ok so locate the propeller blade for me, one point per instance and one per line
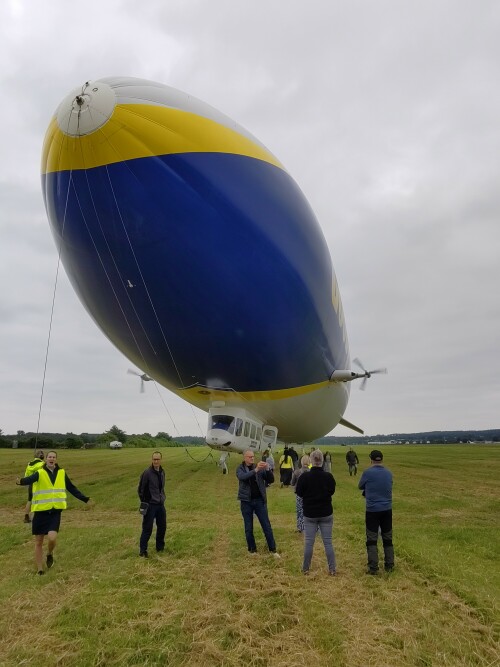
(132, 372)
(142, 386)
(367, 374)
(358, 363)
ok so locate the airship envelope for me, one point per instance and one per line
(196, 253)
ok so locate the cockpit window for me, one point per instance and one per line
(224, 422)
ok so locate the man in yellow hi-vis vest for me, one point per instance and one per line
(50, 485)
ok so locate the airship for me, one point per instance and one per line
(198, 256)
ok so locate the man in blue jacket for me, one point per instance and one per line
(376, 484)
(253, 500)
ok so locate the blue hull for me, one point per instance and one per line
(202, 268)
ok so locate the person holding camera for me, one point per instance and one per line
(253, 480)
(151, 492)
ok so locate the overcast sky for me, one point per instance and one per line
(387, 114)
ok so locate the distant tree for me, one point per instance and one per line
(161, 435)
(21, 433)
(117, 434)
(73, 442)
(141, 441)
(42, 442)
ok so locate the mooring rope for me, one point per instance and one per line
(209, 455)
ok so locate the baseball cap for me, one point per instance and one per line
(376, 455)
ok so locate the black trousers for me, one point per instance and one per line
(158, 513)
(375, 521)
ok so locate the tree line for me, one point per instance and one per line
(30, 440)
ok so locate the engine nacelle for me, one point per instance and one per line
(343, 376)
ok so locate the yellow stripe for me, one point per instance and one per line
(204, 396)
(142, 130)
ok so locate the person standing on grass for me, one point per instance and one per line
(316, 489)
(376, 484)
(305, 461)
(352, 462)
(50, 486)
(253, 499)
(286, 468)
(151, 491)
(32, 466)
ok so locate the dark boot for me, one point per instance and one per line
(388, 558)
(372, 552)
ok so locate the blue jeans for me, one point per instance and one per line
(258, 507)
(158, 513)
(325, 525)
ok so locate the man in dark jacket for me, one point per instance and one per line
(253, 500)
(151, 492)
(352, 462)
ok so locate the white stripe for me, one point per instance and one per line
(46, 501)
(40, 491)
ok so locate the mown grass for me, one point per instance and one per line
(206, 602)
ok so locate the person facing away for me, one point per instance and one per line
(316, 489)
(50, 486)
(32, 466)
(352, 462)
(270, 461)
(151, 490)
(305, 463)
(286, 468)
(376, 484)
(252, 495)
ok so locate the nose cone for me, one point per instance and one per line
(86, 109)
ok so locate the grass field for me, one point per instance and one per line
(206, 602)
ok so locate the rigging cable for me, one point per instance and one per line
(209, 455)
(146, 365)
(53, 301)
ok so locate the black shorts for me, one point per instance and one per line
(44, 522)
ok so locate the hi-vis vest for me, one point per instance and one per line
(48, 496)
(33, 466)
(286, 464)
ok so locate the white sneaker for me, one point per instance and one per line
(276, 554)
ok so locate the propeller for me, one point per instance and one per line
(144, 377)
(367, 374)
